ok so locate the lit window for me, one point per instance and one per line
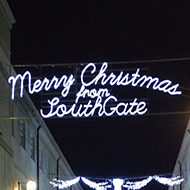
(22, 133)
(32, 147)
(31, 185)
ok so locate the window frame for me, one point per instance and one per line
(32, 147)
(22, 134)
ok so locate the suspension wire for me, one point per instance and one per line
(96, 116)
(119, 62)
(123, 177)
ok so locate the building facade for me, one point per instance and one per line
(182, 166)
(27, 148)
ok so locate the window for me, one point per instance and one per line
(41, 158)
(22, 133)
(48, 167)
(32, 147)
(54, 172)
(13, 130)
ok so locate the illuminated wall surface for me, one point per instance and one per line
(18, 138)
(182, 166)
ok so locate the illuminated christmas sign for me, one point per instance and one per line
(97, 98)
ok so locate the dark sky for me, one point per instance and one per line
(113, 31)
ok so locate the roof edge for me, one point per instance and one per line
(7, 12)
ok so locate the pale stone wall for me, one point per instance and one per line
(182, 166)
(4, 35)
(6, 21)
(5, 169)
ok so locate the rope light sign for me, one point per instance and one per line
(94, 90)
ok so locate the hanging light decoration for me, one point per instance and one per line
(137, 184)
(117, 183)
(94, 185)
(64, 184)
(169, 181)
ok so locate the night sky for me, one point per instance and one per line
(58, 32)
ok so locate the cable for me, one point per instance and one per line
(119, 62)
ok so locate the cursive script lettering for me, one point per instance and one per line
(39, 85)
(88, 109)
(135, 79)
(94, 101)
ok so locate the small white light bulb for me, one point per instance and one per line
(117, 183)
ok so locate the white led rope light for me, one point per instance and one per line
(100, 95)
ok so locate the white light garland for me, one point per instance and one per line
(169, 181)
(118, 183)
(138, 184)
(64, 184)
(94, 185)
